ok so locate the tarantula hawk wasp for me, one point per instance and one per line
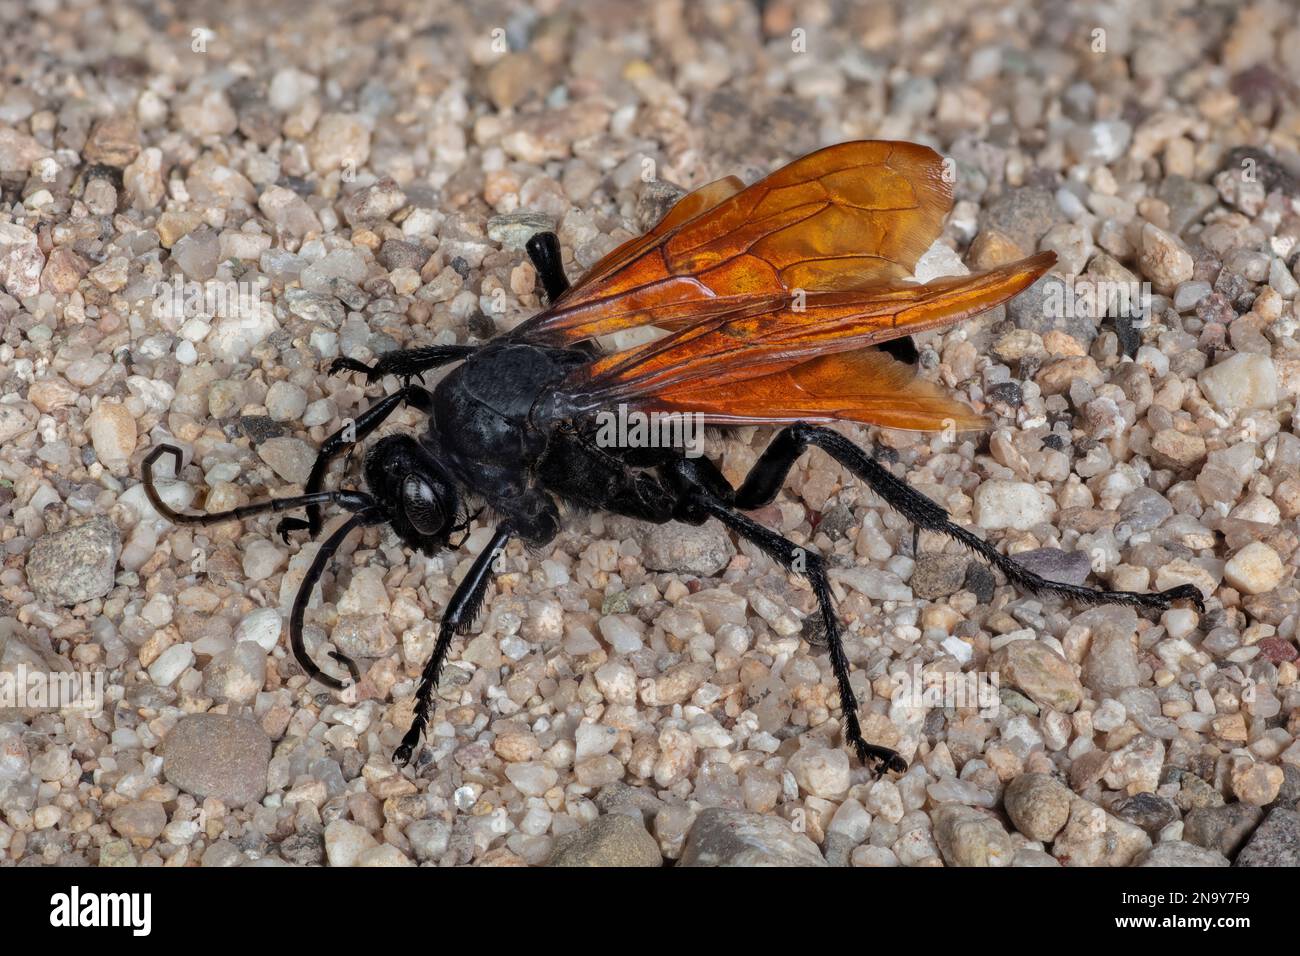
(781, 302)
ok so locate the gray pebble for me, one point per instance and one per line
(76, 564)
(1188, 201)
(1145, 509)
(1275, 843)
(722, 837)
(216, 755)
(1112, 661)
(315, 307)
(399, 254)
(686, 549)
(938, 575)
(614, 839)
(1188, 295)
(1150, 812)
(1046, 306)
(290, 458)
(259, 428)
(1023, 215)
(377, 201)
(1180, 853)
(1100, 143)
(1067, 567)
(1222, 828)
(197, 254)
(306, 848)
(980, 581)
(429, 838)
(345, 264)
(513, 230)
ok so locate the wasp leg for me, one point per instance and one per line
(368, 516)
(456, 619)
(544, 250)
(364, 510)
(344, 438)
(809, 564)
(354, 501)
(404, 363)
(768, 473)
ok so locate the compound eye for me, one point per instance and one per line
(421, 505)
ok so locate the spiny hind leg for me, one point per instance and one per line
(768, 474)
(701, 497)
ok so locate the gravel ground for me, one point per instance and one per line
(366, 180)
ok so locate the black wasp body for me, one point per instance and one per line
(494, 437)
(481, 438)
(505, 433)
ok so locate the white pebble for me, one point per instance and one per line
(594, 740)
(1254, 569)
(262, 559)
(1179, 622)
(261, 626)
(285, 401)
(821, 771)
(531, 778)
(1246, 380)
(112, 433)
(621, 633)
(1011, 504)
(1109, 716)
(171, 664)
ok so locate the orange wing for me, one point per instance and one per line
(843, 218)
(867, 386)
(689, 207)
(772, 358)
